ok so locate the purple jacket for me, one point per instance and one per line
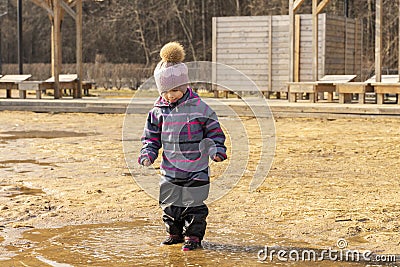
(188, 132)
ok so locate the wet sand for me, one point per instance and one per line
(330, 179)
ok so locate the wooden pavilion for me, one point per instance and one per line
(56, 10)
(317, 8)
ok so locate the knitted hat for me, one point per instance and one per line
(170, 71)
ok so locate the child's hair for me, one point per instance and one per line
(171, 72)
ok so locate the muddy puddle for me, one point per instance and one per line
(17, 190)
(6, 163)
(13, 135)
(137, 244)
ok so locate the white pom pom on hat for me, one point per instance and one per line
(170, 71)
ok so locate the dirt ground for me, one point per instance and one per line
(330, 179)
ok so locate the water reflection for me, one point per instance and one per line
(137, 244)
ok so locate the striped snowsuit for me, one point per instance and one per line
(189, 133)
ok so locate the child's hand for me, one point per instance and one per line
(146, 163)
(217, 158)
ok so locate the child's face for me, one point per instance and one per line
(172, 95)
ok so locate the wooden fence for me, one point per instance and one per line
(258, 46)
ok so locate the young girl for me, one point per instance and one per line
(189, 132)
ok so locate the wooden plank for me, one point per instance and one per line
(337, 78)
(15, 78)
(322, 45)
(297, 37)
(57, 47)
(242, 34)
(249, 30)
(246, 67)
(68, 9)
(214, 55)
(79, 47)
(258, 41)
(384, 79)
(378, 39)
(242, 61)
(63, 78)
(297, 4)
(354, 88)
(301, 87)
(240, 43)
(292, 38)
(278, 19)
(247, 19)
(270, 53)
(387, 88)
(240, 24)
(244, 56)
(237, 45)
(258, 61)
(322, 5)
(259, 50)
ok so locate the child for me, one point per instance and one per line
(188, 131)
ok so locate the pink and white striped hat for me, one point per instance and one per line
(170, 72)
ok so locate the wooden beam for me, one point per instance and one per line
(57, 47)
(378, 40)
(79, 65)
(270, 54)
(315, 39)
(68, 9)
(291, 40)
(214, 57)
(72, 3)
(297, 4)
(322, 5)
(398, 55)
(297, 31)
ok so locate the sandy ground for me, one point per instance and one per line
(330, 179)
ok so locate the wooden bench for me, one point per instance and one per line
(66, 81)
(30, 85)
(389, 84)
(326, 84)
(86, 86)
(346, 91)
(10, 82)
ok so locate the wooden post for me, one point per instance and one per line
(20, 38)
(269, 57)
(57, 47)
(356, 48)
(297, 37)
(315, 39)
(378, 40)
(52, 47)
(214, 57)
(346, 45)
(291, 40)
(398, 55)
(79, 67)
(315, 43)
